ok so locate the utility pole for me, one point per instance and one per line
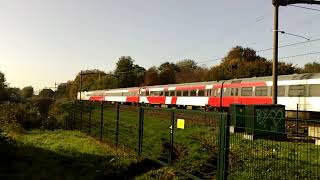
(276, 5)
(275, 55)
(80, 84)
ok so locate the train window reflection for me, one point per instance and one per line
(166, 93)
(185, 93)
(246, 91)
(201, 93)
(261, 91)
(296, 90)
(193, 93)
(314, 90)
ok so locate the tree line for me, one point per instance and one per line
(239, 62)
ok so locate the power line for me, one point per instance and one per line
(269, 49)
(289, 45)
(302, 7)
(298, 55)
(123, 70)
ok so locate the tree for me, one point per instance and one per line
(3, 90)
(27, 92)
(125, 72)
(168, 65)
(109, 82)
(139, 73)
(187, 64)
(287, 68)
(313, 67)
(189, 71)
(2, 80)
(43, 105)
(167, 73)
(216, 73)
(14, 95)
(151, 77)
(48, 93)
(244, 63)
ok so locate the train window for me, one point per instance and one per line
(261, 91)
(246, 91)
(126, 94)
(147, 93)
(216, 92)
(296, 91)
(281, 90)
(193, 93)
(208, 92)
(166, 93)
(226, 91)
(143, 93)
(161, 93)
(314, 90)
(172, 93)
(185, 93)
(234, 92)
(201, 93)
(179, 93)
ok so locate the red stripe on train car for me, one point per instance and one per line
(190, 87)
(214, 101)
(133, 99)
(156, 99)
(227, 101)
(96, 98)
(174, 100)
(255, 100)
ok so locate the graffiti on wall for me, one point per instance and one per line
(270, 118)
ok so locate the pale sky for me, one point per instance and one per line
(48, 41)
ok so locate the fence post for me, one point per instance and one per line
(101, 121)
(73, 116)
(90, 114)
(171, 138)
(81, 109)
(297, 122)
(223, 156)
(117, 125)
(141, 117)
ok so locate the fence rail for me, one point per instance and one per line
(205, 145)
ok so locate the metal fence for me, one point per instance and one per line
(287, 152)
(205, 145)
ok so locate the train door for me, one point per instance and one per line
(235, 91)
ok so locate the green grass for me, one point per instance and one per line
(196, 147)
(268, 159)
(61, 154)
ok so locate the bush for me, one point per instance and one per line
(8, 121)
(58, 113)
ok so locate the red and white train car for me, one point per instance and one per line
(297, 89)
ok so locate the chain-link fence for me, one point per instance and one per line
(208, 145)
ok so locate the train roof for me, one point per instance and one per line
(252, 79)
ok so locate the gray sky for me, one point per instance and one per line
(47, 41)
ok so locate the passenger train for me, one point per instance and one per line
(300, 91)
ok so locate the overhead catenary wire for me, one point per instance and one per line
(303, 7)
(261, 50)
(299, 55)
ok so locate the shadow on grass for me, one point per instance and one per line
(21, 161)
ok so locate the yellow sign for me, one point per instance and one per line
(180, 123)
